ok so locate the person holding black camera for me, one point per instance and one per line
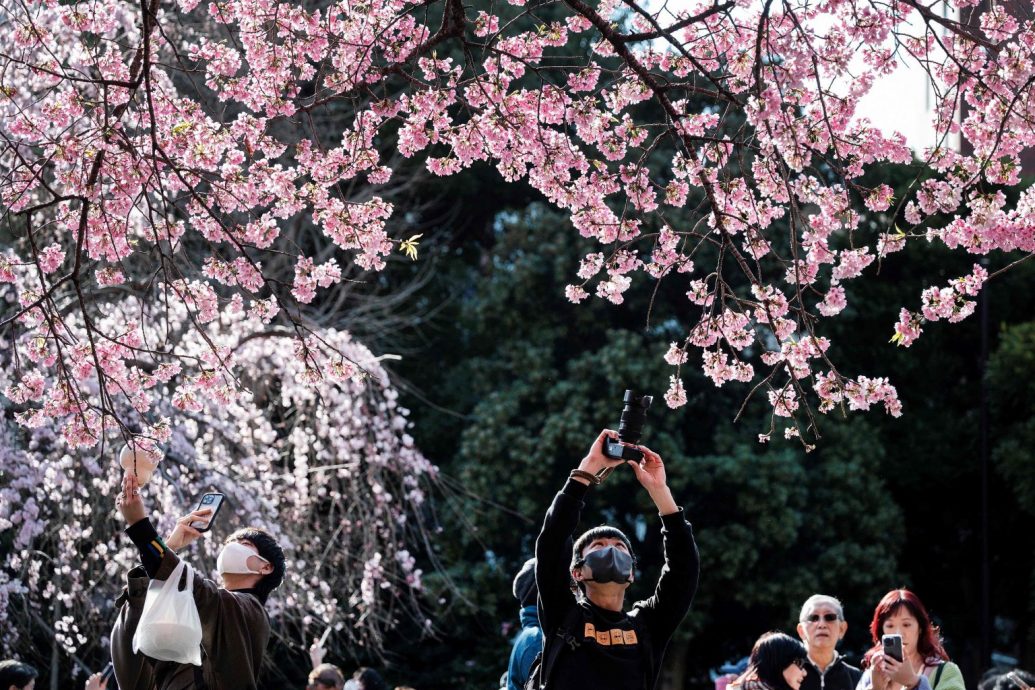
(590, 641)
(234, 624)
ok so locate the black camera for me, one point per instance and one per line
(634, 414)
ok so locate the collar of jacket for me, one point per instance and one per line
(834, 662)
(252, 591)
(529, 616)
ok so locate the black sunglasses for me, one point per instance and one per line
(800, 663)
(828, 617)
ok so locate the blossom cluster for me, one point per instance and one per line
(952, 303)
(121, 162)
(329, 468)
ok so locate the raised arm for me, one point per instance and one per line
(152, 547)
(158, 555)
(678, 581)
(553, 546)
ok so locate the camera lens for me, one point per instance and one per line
(634, 414)
(207, 499)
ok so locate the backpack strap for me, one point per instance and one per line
(938, 675)
(568, 634)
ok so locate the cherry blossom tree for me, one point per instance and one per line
(166, 147)
(327, 466)
(176, 213)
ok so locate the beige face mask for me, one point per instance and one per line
(234, 559)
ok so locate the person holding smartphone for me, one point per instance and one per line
(907, 652)
(235, 625)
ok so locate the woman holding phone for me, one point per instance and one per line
(907, 652)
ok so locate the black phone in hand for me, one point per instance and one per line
(213, 501)
(893, 646)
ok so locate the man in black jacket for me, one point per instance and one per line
(821, 626)
(604, 647)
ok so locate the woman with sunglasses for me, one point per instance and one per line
(778, 662)
(924, 666)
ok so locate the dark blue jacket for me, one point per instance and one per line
(527, 644)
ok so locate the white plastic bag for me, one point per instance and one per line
(170, 627)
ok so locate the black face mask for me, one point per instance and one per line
(609, 565)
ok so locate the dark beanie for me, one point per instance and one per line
(525, 590)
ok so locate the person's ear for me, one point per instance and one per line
(843, 629)
(801, 631)
(576, 574)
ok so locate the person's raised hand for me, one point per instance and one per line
(900, 672)
(183, 535)
(128, 500)
(96, 682)
(650, 471)
(879, 678)
(595, 459)
(317, 653)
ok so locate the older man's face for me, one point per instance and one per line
(821, 629)
(326, 681)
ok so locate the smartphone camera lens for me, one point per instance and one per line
(207, 499)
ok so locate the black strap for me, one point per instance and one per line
(567, 635)
(938, 675)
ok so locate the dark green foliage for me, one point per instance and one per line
(509, 383)
(1011, 371)
(534, 378)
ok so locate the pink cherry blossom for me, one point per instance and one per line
(212, 192)
(51, 258)
(675, 396)
(676, 355)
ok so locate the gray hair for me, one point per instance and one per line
(817, 599)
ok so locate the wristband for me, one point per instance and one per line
(588, 476)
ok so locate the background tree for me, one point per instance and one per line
(178, 155)
(1010, 375)
(330, 469)
(522, 385)
(115, 160)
